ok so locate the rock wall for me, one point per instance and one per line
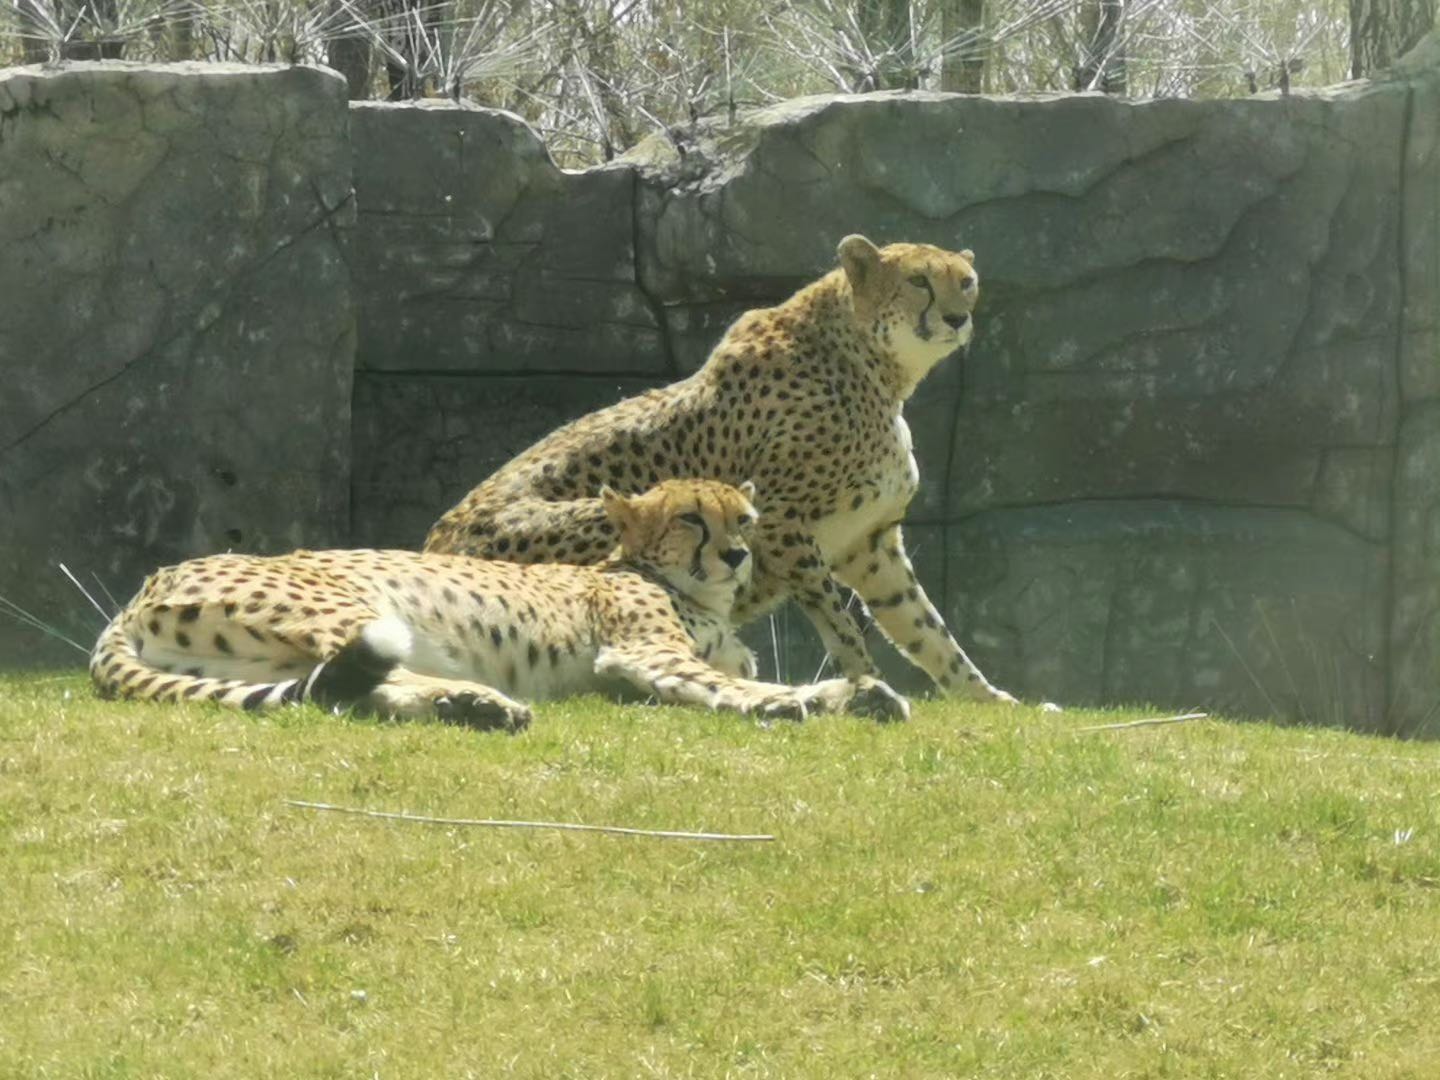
(1414, 659)
(1192, 458)
(498, 300)
(176, 325)
(1167, 469)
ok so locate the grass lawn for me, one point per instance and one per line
(980, 892)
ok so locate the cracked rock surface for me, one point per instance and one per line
(1191, 457)
(1165, 472)
(475, 254)
(176, 324)
(1168, 474)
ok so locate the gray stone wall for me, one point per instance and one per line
(1166, 471)
(498, 299)
(1193, 457)
(176, 325)
(1414, 660)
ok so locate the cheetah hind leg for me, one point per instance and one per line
(405, 693)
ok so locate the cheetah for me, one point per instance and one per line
(805, 399)
(453, 637)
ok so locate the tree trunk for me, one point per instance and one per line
(33, 50)
(173, 38)
(408, 23)
(962, 68)
(89, 43)
(182, 43)
(1382, 31)
(1102, 67)
(352, 57)
(886, 26)
(601, 49)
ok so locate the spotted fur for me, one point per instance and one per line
(408, 634)
(804, 399)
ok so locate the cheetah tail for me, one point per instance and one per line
(361, 664)
(346, 678)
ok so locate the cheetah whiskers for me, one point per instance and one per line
(114, 604)
(35, 622)
(826, 660)
(26, 618)
(107, 616)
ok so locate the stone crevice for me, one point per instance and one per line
(1164, 502)
(184, 320)
(1396, 720)
(637, 255)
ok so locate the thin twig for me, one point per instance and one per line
(1153, 721)
(494, 823)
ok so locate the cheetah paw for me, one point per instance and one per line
(781, 708)
(875, 699)
(471, 710)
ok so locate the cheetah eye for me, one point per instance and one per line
(920, 281)
(693, 519)
(967, 282)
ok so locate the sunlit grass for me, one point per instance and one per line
(981, 892)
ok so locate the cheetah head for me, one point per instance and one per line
(914, 301)
(693, 533)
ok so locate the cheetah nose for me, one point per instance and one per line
(956, 321)
(734, 557)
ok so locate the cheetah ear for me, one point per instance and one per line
(860, 259)
(968, 255)
(748, 490)
(617, 506)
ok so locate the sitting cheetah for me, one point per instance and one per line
(452, 636)
(805, 398)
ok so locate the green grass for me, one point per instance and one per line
(981, 892)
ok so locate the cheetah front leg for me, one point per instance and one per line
(678, 677)
(789, 563)
(881, 573)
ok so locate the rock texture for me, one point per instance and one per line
(1236, 609)
(1190, 459)
(475, 254)
(1166, 471)
(176, 324)
(1415, 611)
(423, 441)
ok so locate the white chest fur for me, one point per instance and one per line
(874, 497)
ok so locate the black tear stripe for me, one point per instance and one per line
(923, 332)
(696, 570)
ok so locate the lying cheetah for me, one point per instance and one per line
(805, 398)
(453, 636)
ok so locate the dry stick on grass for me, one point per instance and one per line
(567, 826)
(1154, 721)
